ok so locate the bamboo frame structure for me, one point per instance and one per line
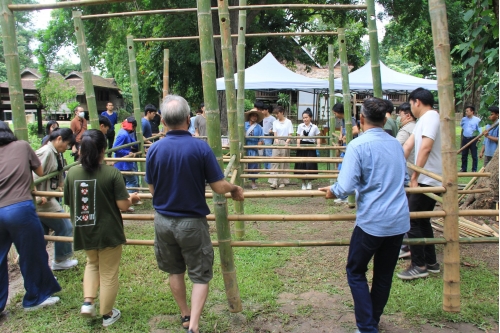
(299, 243)
(86, 71)
(331, 101)
(240, 7)
(240, 67)
(440, 36)
(374, 54)
(62, 4)
(134, 86)
(292, 218)
(166, 66)
(208, 73)
(262, 34)
(232, 114)
(16, 95)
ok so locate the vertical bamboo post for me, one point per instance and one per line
(240, 64)
(16, 94)
(165, 72)
(213, 123)
(374, 54)
(86, 71)
(344, 66)
(440, 36)
(134, 85)
(331, 99)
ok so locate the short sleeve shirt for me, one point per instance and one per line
(49, 156)
(178, 167)
(489, 145)
(428, 126)
(200, 123)
(267, 124)
(283, 128)
(113, 119)
(92, 197)
(305, 131)
(353, 123)
(15, 172)
(146, 128)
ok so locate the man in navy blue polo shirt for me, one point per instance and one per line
(470, 128)
(177, 169)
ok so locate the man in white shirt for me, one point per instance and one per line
(426, 139)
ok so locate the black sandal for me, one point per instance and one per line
(185, 319)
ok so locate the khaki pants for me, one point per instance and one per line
(102, 270)
(275, 166)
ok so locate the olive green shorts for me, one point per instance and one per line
(182, 242)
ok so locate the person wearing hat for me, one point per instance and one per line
(252, 128)
(126, 135)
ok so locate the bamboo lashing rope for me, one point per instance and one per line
(288, 218)
(299, 243)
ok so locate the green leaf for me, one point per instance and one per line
(476, 31)
(469, 14)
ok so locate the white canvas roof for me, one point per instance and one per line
(268, 73)
(361, 79)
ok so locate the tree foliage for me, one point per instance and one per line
(55, 92)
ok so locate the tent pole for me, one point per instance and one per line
(374, 54)
(440, 36)
(208, 74)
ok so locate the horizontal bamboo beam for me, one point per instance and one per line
(424, 172)
(291, 170)
(65, 4)
(291, 160)
(285, 175)
(474, 174)
(261, 34)
(299, 243)
(249, 7)
(295, 218)
(303, 147)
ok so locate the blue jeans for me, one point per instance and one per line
(369, 305)
(253, 152)
(20, 225)
(268, 152)
(61, 227)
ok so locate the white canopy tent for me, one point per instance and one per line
(268, 73)
(361, 80)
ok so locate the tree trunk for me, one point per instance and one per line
(488, 199)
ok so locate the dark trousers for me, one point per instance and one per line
(421, 228)
(465, 153)
(369, 304)
(111, 139)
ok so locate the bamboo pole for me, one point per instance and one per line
(331, 101)
(240, 64)
(228, 268)
(292, 170)
(374, 54)
(451, 276)
(62, 4)
(234, 132)
(344, 66)
(166, 59)
(261, 34)
(299, 243)
(475, 174)
(16, 94)
(134, 85)
(294, 147)
(86, 71)
(424, 172)
(292, 176)
(241, 7)
(469, 185)
(292, 218)
(229, 166)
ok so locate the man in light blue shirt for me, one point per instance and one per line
(490, 136)
(382, 215)
(470, 128)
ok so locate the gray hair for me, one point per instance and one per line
(174, 110)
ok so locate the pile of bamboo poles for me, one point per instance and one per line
(467, 228)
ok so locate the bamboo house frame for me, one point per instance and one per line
(437, 10)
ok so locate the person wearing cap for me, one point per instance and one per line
(126, 135)
(200, 123)
(252, 128)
